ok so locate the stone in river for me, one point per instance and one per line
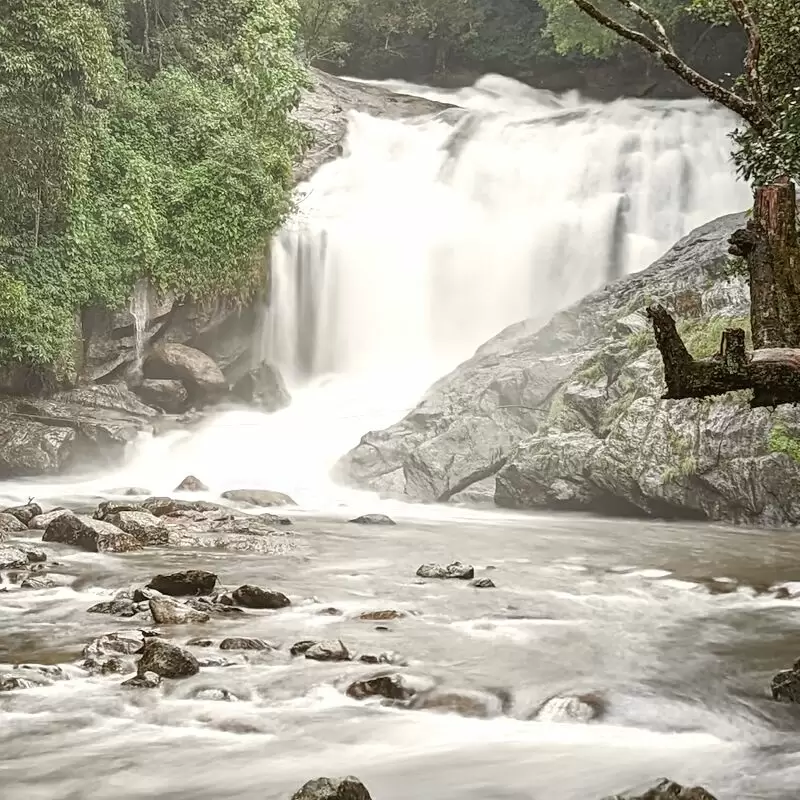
(166, 611)
(147, 528)
(373, 519)
(666, 790)
(24, 513)
(392, 687)
(11, 524)
(571, 708)
(258, 497)
(147, 680)
(117, 608)
(41, 521)
(12, 558)
(454, 570)
(348, 788)
(190, 582)
(785, 685)
(191, 484)
(328, 651)
(483, 583)
(245, 643)
(249, 596)
(299, 648)
(167, 660)
(90, 534)
(381, 616)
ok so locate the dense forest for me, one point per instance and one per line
(155, 137)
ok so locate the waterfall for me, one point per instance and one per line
(427, 238)
(140, 311)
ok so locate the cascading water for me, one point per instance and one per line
(140, 311)
(430, 236)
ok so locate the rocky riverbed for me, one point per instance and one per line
(231, 648)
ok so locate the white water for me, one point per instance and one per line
(140, 311)
(428, 238)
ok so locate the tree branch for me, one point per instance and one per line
(746, 109)
(652, 20)
(751, 60)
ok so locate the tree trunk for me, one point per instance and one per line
(772, 373)
(769, 245)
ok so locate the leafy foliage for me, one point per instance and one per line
(140, 138)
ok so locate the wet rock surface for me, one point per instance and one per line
(167, 611)
(188, 583)
(86, 533)
(456, 570)
(258, 497)
(667, 790)
(373, 519)
(328, 651)
(166, 659)
(349, 788)
(249, 596)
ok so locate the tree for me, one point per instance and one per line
(767, 152)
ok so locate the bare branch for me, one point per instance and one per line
(746, 109)
(751, 60)
(652, 20)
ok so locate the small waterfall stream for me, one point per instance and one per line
(140, 311)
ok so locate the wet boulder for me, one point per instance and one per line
(191, 484)
(328, 651)
(116, 608)
(373, 519)
(249, 596)
(192, 582)
(381, 616)
(145, 527)
(571, 708)
(348, 788)
(455, 570)
(263, 386)
(24, 513)
(300, 648)
(169, 506)
(217, 695)
(12, 558)
(785, 685)
(464, 703)
(166, 611)
(198, 371)
(386, 657)
(11, 524)
(258, 497)
(147, 680)
(392, 686)
(92, 535)
(41, 521)
(483, 583)
(106, 654)
(167, 660)
(245, 643)
(666, 790)
(168, 395)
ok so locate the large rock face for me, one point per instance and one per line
(569, 415)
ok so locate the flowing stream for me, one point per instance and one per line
(425, 239)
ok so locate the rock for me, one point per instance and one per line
(386, 657)
(10, 683)
(244, 643)
(568, 415)
(90, 425)
(10, 523)
(274, 519)
(170, 612)
(167, 660)
(393, 686)
(348, 788)
(463, 703)
(455, 570)
(571, 708)
(90, 534)
(785, 685)
(41, 521)
(39, 583)
(217, 661)
(35, 554)
(191, 484)
(264, 387)
(203, 378)
(328, 651)
(218, 695)
(12, 558)
(168, 395)
(300, 648)
(24, 513)
(104, 654)
(483, 583)
(253, 597)
(374, 519)
(147, 680)
(258, 497)
(167, 506)
(380, 616)
(145, 527)
(117, 608)
(666, 790)
(329, 612)
(200, 643)
(178, 584)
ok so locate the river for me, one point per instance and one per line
(419, 244)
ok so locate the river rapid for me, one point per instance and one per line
(422, 241)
